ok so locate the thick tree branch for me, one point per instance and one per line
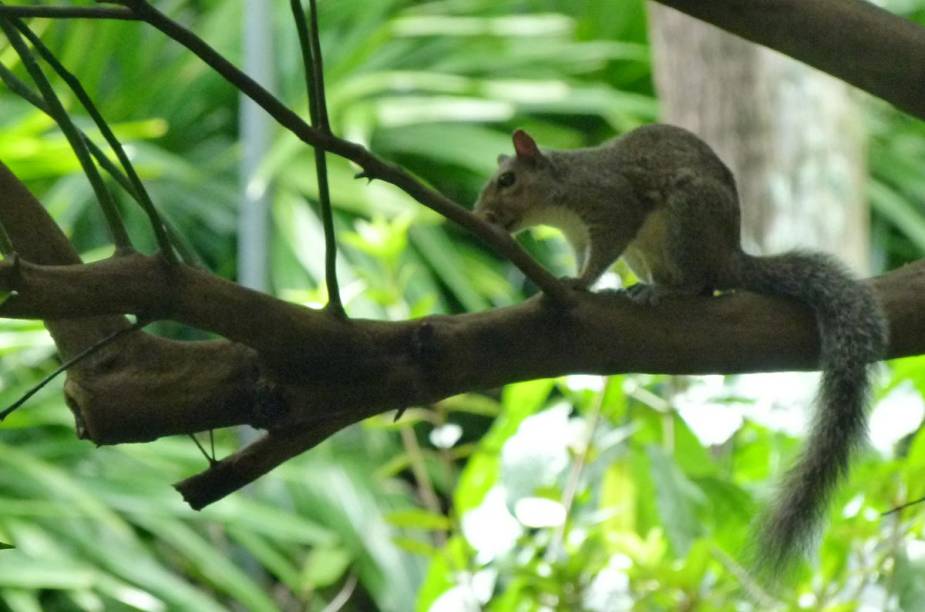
(853, 40)
(147, 387)
(604, 334)
(37, 238)
(303, 374)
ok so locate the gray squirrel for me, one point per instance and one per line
(661, 198)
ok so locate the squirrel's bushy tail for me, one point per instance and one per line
(853, 333)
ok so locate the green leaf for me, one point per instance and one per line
(419, 519)
(484, 467)
(441, 573)
(689, 453)
(415, 547)
(211, 563)
(269, 557)
(5, 546)
(325, 566)
(618, 498)
(909, 585)
(902, 213)
(442, 255)
(677, 499)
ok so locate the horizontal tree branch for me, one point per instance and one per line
(303, 375)
(604, 334)
(37, 238)
(854, 40)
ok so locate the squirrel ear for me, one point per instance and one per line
(503, 158)
(526, 147)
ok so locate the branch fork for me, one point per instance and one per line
(303, 374)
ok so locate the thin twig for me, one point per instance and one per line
(421, 477)
(87, 352)
(752, 587)
(574, 477)
(83, 97)
(373, 166)
(210, 458)
(68, 12)
(318, 114)
(903, 506)
(117, 228)
(343, 596)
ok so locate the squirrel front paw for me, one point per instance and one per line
(643, 293)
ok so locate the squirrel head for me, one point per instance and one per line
(522, 184)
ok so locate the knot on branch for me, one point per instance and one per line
(270, 404)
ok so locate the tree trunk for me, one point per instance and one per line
(790, 134)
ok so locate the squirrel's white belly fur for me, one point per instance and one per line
(646, 254)
(568, 222)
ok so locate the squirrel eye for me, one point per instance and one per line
(506, 179)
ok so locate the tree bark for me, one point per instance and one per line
(302, 374)
(853, 40)
(791, 135)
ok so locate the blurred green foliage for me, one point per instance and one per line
(567, 494)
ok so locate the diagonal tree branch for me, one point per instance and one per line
(137, 187)
(104, 197)
(373, 166)
(854, 40)
(22, 90)
(303, 374)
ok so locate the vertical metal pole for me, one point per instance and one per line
(256, 135)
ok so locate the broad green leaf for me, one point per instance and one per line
(441, 573)
(415, 546)
(899, 211)
(909, 586)
(677, 500)
(210, 563)
(419, 519)
(325, 566)
(618, 498)
(438, 250)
